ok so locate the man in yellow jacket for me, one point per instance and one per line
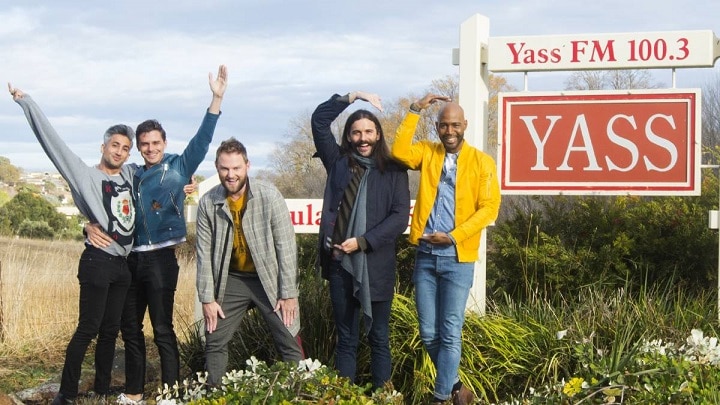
(458, 197)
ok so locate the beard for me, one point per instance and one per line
(234, 186)
(365, 149)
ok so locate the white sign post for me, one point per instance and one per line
(474, 97)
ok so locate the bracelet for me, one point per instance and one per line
(415, 108)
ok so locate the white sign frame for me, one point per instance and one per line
(690, 185)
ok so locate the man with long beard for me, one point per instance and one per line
(365, 209)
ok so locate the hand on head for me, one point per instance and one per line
(15, 93)
(431, 98)
(371, 98)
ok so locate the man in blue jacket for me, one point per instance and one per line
(365, 209)
(159, 228)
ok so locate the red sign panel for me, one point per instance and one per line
(620, 142)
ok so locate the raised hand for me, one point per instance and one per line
(15, 93)
(219, 84)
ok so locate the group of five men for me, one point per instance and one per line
(246, 252)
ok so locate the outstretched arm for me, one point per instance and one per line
(218, 86)
(70, 165)
(198, 146)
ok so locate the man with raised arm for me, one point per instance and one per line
(159, 227)
(458, 197)
(365, 209)
(103, 194)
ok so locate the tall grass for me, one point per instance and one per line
(39, 297)
(39, 301)
(516, 348)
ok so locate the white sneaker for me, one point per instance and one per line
(124, 400)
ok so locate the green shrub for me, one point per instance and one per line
(26, 205)
(35, 230)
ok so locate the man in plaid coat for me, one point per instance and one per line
(246, 258)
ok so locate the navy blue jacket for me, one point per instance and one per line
(388, 202)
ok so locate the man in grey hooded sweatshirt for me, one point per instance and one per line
(103, 194)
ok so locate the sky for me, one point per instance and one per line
(92, 64)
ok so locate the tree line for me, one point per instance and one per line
(540, 245)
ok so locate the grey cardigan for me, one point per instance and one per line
(270, 237)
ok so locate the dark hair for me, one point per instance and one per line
(231, 145)
(147, 126)
(119, 129)
(380, 152)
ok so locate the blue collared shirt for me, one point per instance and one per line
(442, 216)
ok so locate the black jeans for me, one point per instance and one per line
(104, 281)
(154, 280)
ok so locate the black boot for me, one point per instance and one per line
(61, 399)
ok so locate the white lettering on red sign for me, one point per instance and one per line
(600, 142)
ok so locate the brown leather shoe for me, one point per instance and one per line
(463, 396)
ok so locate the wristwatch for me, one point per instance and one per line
(415, 108)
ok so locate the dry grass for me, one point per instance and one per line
(39, 300)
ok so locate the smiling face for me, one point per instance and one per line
(232, 170)
(450, 126)
(363, 136)
(114, 153)
(152, 147)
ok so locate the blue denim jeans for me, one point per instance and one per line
(154, 280)
(442, 287)
(104, 281)
(346, 311)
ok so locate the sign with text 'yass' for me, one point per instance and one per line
(640, 142)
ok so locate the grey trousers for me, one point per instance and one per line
(242, 293)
